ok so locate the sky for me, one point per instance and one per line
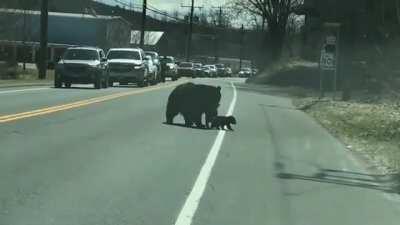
(172, 5)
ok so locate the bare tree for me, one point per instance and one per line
(276, 14)
(203, 19)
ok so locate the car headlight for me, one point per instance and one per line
(137, 67)
(96, 66)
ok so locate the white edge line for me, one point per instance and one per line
(189, 209)
(23, 90)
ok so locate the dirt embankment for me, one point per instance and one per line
(289, 73)
(371, 129)
(369, 124)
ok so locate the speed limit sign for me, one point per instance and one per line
(328, 61)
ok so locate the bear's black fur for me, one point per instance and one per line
(220, 122)
(192, 101)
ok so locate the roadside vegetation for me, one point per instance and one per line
(15, 74)
(368, 124)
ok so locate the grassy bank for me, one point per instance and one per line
(293, 72)
(369, 128)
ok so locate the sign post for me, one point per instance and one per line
(330, 56)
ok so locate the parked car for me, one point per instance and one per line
(153, 69)
(169, 67)
(186, 69)
(228, 72)
(255, 71)
(213, 70)
(156, 59)
(198, 69)
(220, 70)
(245, 72)
(82, 65)
(206, 71)
(128, 65)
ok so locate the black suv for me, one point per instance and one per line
(82, 65)
(221, 70)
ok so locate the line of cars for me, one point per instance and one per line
(90, 65)
(192, 69)
(247, 72)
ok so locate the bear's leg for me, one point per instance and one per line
(188, 120)
(210, 116)
(198, 122)
(208, 121)
(170, 115)
(229, 126)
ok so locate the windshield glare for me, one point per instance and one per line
(81, 54)
(124, 55)
(167, 60)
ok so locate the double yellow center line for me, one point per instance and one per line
(69, 106)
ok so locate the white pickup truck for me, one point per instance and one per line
(129, 65)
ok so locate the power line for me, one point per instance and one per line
(149, 7)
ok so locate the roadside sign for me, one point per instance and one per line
(329, 57)
(331, 40)
(327, 61)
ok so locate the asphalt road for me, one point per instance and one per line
(104, 157)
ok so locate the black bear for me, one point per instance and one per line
(192, 101)
(220, 122)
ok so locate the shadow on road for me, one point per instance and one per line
(125, 86)
(385, 183)
(192, 127)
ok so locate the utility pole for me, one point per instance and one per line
(44, 20)
(220, 25)
(24, 40)
(144, 12)
(189, 38)
(220, 15)
(241, 47)
(216, 43)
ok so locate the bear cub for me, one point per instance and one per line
(220, 122)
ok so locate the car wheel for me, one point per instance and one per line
(97, 83)
(142, 83)
(57, 82)
(154, 80)
(105, 84)
(67, 84)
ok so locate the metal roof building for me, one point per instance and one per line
(65, 28)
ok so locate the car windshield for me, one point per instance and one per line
(219, 66)
(115, 54)
(168, 60)
(81, 54)
(152, 54)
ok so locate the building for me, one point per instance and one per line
(20, 32)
